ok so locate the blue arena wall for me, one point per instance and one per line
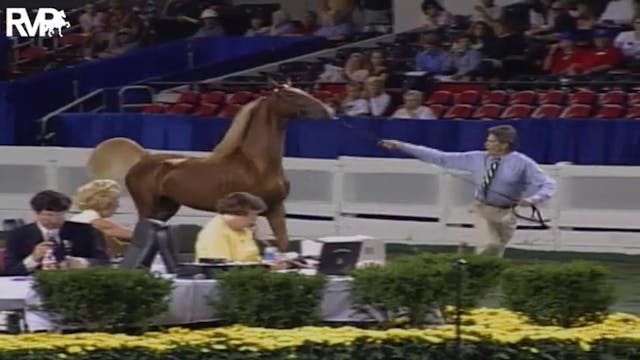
(585, 142)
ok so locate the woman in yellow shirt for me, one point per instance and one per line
(229, 235)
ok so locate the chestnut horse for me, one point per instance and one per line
(249, 158)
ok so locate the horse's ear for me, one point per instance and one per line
(274, 83)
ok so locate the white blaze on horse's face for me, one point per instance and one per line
(308, 106)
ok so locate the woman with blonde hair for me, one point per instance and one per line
(98, 201)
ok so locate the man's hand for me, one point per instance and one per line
(390, 144)
(40, 250)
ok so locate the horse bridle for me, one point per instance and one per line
(535, 217)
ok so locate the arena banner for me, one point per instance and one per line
(548, 141)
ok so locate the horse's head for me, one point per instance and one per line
(291, 102)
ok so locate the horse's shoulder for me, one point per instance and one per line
(175, 161)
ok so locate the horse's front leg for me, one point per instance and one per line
(276, 217)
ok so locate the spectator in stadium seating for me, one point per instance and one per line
(210, 25)
(563, 56)
(540, 14)
(506, 54)
(413, 108)
(332, 28)
(229, 235)
(378, 63)
(357, 67)
(433, 58)
(281, 24)
(462, 60)
(342, 10)
(435, 16)
(487, 11)
(354, 103)
(629, 43)
(123, 42)
(258, 27)
(376, 11)
(179, 19)
(119, 16)
(481, 34)
(559, 21)
(602, 57)
(585, 23)
(504, 178)
(92, 21)
(308, 25)
(98, 201)
(27, 245)
(379, 100)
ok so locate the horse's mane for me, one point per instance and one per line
(234, 135)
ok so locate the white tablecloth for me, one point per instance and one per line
(189, 302)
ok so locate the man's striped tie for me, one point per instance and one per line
(488, 177)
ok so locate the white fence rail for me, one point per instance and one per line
(596, 209)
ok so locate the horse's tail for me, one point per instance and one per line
(113, 158)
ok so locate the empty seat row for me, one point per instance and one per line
(545, 111)
(531, 97)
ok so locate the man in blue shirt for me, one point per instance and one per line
(502, 177)
(433, 58)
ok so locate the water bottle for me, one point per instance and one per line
(49, 261)
(270, 253)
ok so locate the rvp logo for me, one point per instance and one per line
(46, 22)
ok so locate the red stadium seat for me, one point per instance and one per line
(240, 97)
(488, 111)
(459, 111)
(634, 98)
(583, 97)
(438, 109)
(440, 97)
(517, 111)
(499, 97)
(577, 111)
(633, 112)
(470, 97)
(207, 110)
(180, 108)
(610, 111)
(189, 97)
(617, 97)
(527, 97)
(154, 109)
(553, 97)
(214, 97)
(547, 111)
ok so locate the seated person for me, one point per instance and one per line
(27, 245)
(98, 201)
(463, 60)
(229, 234)
(604, 56)
(563, 56)
(413, 108)
(123, 42)
(354, 103)
(378, 99)
(433, 58)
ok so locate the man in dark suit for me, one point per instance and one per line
(74, 245)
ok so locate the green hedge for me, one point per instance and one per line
(570, 294)
(257, 297)
(102, 298)
(413, 286)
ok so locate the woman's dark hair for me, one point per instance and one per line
(505, 134)
(50, 200)
(240, 203)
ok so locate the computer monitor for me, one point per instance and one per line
(150, 237)
(338, 258)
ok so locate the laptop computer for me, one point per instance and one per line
(338, 258)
